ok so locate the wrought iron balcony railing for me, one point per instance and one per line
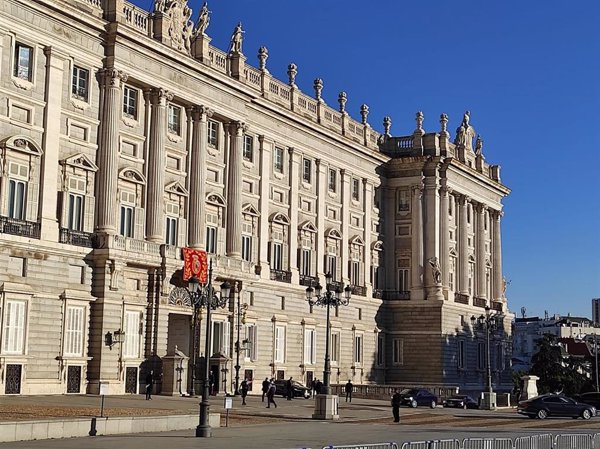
(77, 238)
(22, 228)
(281, 276)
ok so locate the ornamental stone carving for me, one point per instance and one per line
(318, 86)
(263, 54)
(176, 15)
(237, 38)
(203, 21)
(465, 133)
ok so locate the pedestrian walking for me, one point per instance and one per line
(244, 391)
(289, 387)
(149, 382)
(348, 389)
(265, 388)
(396, 405)
(271, 394)
(313, 385)
(318, 387)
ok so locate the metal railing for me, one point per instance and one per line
(22, 228)
(281, 276)
(76, 238)
(543, 441)
(308, 280)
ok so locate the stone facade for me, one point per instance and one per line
(125, 136)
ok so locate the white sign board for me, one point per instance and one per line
(103, 388)
(228, 403)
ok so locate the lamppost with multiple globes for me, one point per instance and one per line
(206, 298)
(196, 299)
(327, 299)
(489, 323)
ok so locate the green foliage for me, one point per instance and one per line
(556, 371)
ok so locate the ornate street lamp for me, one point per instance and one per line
(490, 322)
(196, 300)
(326, 407)
(209, 300)
(240, 320)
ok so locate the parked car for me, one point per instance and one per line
(591, 398)
(300, 390)
(418, 396)
(461, 401)
(555, 405)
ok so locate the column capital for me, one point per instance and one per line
(318, 162)
(112, 77)
(480, 208)
(496, 214)
(462, 199)
(201, 112)
(160, 96)
(265, 140)
(417, 188)
(238, 127)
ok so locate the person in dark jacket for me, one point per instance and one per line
(271, 394)
(265, 388)
(319, 387)
(244, 391)
(396, 398)
(348, 389)
(149, 382)
(289, 389)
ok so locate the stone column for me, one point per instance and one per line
(108, 152)
(480, 248)
(55, 62)
(416, 265)
(157, 158)
(266, 151)
(197, 210)
(388, 198)
(234, 191)
(431, 228)
(321, 212)
(444, 237)
(368, 210)
(463, 246)
(345, 250)
(295, 159)
(497, 286)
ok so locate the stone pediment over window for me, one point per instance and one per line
(23, 144)
(453, 253)
(356, 240)
(132, 175)
(215, 199)
(307, 226)
(333, 234)
(471, 259)
(80, 160)
(176, 188)
(377, 246)
(281, 218)
(488, 263)
(249, 209)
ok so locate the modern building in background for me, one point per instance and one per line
(596, 310)
(125, 136)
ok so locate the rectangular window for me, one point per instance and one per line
(481, 355)
(279, 344)
(220, 337)
(171, 231)
(278, 160)
(331, 266)
(332, 180)
(127, 223)
(380, 351)
(306, 262)
(354, 272)
(16, 199)
(130, 96)
(14, 328)
(75, 212)
(398, 351)
(276, 256)
(174, 119)
(471, 274)
(355, 189)
(310, 347)
(211, 240)
(306, 170)
(74, 331)
(23, 62)
(250, 336)
(247, 248)
(461, 354)
(358, 349)
(335, 347)
(403, 279)
(213, 133)
(248, 148)
(451, 273)
(403, 200)
(80, 82)
(132, 334)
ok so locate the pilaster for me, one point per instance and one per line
(480, 248)
(55, 63)
(295, 158)
(155, 220)
(197, 197)
(368, 212)
(266, 151)
(234, 191)
(431, 237)
(346, 200)
(321, 212)
(463, 249)
(416, 285)
(498, 288)
(108, 151)
(444, 237)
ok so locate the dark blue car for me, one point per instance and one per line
(418, 396)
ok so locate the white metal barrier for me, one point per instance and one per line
(487, 443)
(534, 442)
(572, 441)
(391, 445)
(543, 441)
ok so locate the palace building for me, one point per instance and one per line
(126, 136)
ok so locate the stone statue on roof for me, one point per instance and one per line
(237, 38)
(203, 20)
(465, 133)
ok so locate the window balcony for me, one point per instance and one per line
(76, 238)
(281, 276)
(19, 227)
(396, 295)
(461, 299)
(479, 302)
(359, 290)
(308, 280)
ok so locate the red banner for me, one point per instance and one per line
(195, 263)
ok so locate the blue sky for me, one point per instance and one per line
(529, 72)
